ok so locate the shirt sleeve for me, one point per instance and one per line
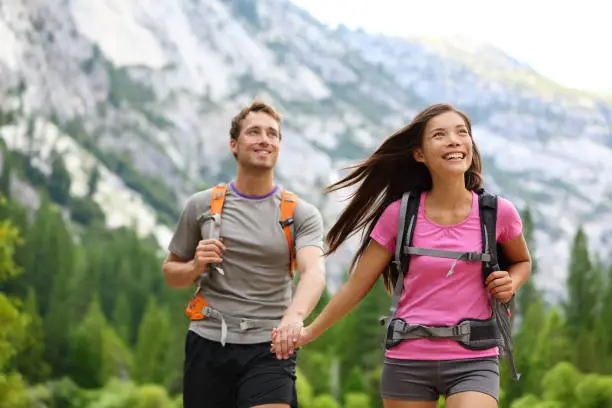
(187, 233)
(385, 229)
(509, 223)
(309, 226)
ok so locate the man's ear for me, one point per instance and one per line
(233, 146)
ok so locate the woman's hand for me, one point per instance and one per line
(499, 284)
(304, 338)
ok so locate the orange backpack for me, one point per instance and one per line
(287, 208)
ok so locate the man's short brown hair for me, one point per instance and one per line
(255, 106)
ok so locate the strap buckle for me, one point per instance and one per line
(461, 329)
(286, 222)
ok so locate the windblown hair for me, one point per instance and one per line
(384, 176)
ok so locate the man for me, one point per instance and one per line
(246, 277)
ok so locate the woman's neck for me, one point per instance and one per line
(448, 194)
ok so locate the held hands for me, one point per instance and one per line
(499, 284)
(208, 251)
(289, 335)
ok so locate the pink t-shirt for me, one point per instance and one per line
(429, 296)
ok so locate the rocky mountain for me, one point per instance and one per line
(142, 91)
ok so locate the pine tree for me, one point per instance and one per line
(603, 323)
(582, 286)
(92, 182)
(528, 293)
(59, 181)
(152, 344)
(31, 360)
(96, 351)
(122, 317)
(5, 173)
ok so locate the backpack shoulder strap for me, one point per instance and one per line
(287, 208)
(487, 206)
(409, 207)
(502, 313)
(217, 198)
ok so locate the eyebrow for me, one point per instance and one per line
(262, 127)
(437, 129)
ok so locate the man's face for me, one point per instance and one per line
(259, 141)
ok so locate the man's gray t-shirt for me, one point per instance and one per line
(256, 283)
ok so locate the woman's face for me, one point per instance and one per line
(447, 145)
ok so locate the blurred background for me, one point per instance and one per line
(112, 112)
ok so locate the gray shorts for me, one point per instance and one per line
(426, 380)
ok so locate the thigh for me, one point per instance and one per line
(471, 382)
(265, 380)
(207, 382)
(390, 403)
(470, 399)
(405, 381)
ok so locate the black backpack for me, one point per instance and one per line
(492, 257)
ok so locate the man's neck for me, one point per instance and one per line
(254, 184)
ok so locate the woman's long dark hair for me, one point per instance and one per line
(384, 176)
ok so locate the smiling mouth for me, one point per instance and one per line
(263, 152)
(454, 156)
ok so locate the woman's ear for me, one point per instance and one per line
(418, 155)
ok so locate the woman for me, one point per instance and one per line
(437, 155)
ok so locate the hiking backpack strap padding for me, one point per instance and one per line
(217, 198)
(487, 206)
(197, 304)
(408, 210)
(287, 208)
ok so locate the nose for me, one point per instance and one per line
(264, 138)
(453, 138)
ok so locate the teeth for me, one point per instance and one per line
(451, 156)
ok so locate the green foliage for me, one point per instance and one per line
(13, 330)
(92, 182)
(59, 181)
(357, 400)
(324, 401)
(153, 343)
(85, 211)
(122, 88)
(528, 294)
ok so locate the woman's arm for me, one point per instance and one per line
(368, 269)
(504, 284)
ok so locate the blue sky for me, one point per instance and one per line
(567, 41)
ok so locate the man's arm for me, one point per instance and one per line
(311, 284)
(181, 274)
(188, 253)
(178, 273)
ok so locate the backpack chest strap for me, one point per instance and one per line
(457, 255)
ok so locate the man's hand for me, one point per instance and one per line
(499, 284)
(304, 338)
(286, 336)
(207, 251)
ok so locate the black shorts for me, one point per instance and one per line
(235, 376)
